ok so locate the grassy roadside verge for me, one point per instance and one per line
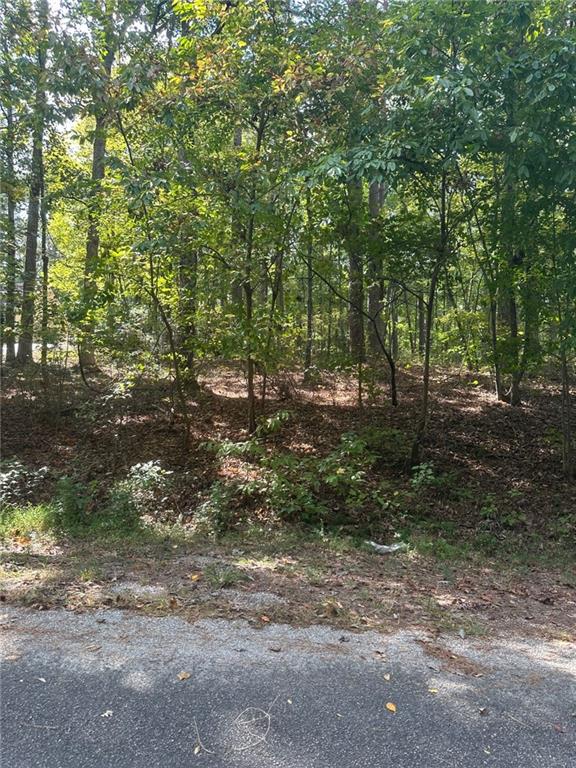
(442, 583)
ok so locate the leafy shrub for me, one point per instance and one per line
(80, 505)
(330, 489)
(273, 424)
(119, 512)
(74, 504)
(371, 381)
(565, 527)
(229, 449)
(252, 448)
(290, 488)
(147, 485)
(215, 513)
(104, 408)
(424, 477)
(440, 547)
(494, 517)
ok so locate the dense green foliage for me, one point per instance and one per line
(294, 185)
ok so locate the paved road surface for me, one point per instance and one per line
(101, 690)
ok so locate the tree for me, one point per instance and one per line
(26, 337)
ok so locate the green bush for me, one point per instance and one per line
(215, 513)
(424, 477)
(146, 487)
(333, 490)
(222, 576)
(79, 506)
(74, 504)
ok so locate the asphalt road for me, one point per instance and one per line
(102, 690)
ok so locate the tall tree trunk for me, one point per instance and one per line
(514, 395)
(417, 445)
(249, 308)
(45, 276)
(514, 258)
(249, 289)
(86, 348)
(26, 338)
(330, 323)
(356, 276)
(278, 292)
(374, 271)
(498, 385)
(464, 340)
(10, 236)
(421, 317)
(531, 310)
(409, 323)
(394, 342)
(309, 289)
(188, 279)
(238, 234)
(567, 437)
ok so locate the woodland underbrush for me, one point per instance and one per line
(113, 461)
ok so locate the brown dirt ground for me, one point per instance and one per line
(298, 584)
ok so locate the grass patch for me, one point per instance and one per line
(48, 520)
(27, 519)
(222, 576)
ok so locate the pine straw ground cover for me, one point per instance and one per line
(488, 520)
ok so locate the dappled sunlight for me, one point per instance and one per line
(210, 678)
(264, 563)
(137, 681)
(557, 655)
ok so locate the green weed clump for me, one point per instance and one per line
(22, 520)
(222, 576)
(82, 508)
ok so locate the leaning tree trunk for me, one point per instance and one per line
(26, 338)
